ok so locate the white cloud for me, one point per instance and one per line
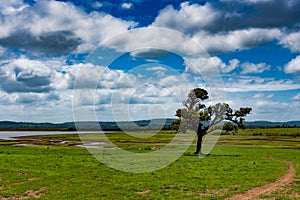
(50, 81)
(291, 41)
(258, 96)
(203, 65)
(263, 96)
(43, 107)
(296, 97)
(24, 75)
(40, 99)
(63, 23)
(269, 96)
(264, 108)
(12, 7)
(156, 68)
(154, 42)
(188, 19)
(235, 40)
(97, 4)
(126, 5)
(120, 88)
(13, 10)
(7, 99)
(92, 77)
(257, 84)
(293, 67)
(206, 24)
(209, 64)
(252, 68)
(269, 110)
(233, 64)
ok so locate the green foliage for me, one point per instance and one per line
(229, 127)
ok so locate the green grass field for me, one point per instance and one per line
(48, 169)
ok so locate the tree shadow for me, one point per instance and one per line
(211, 155)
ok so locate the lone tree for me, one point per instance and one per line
(195, 116)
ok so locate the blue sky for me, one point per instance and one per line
(137, 59)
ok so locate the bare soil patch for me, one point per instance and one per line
(269, 188)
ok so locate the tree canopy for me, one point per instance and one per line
(198, 117)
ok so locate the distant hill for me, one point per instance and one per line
(268, 124)
(70, 126)
(9, 125)
(114, 126)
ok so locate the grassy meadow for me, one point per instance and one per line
(45, 167)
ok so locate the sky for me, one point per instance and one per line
(138, 59)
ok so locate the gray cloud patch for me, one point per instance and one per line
(58, 42)
(34, 98)
(230, 15)
(270, 14)
(23, 75)
(149, 53)
(34, 81)
(11, 86)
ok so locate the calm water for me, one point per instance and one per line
(6, 135)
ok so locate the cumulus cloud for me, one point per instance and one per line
(266, 109)
(54, 106)
(293, 67)
(37, 98)
(252, 68)
(151, 94)
(52, 42)
(154, 42)
(233, 64)
(235, 40)
(60, 28)
(89, 76)
(12, 7)
(188, 19)
(228, 16)
(209, 64)
(291, 41)
(23, 75)
(225, 27)
(7, 99)
(50, 26)
(202, 65)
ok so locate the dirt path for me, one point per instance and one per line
(269, 188)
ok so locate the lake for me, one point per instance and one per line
(6, 135)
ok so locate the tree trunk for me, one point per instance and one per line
(199, 143)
